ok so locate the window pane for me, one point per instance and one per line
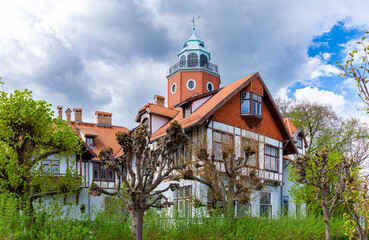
(182, 61)
(203, 60)
(267, 162)
(111, 174)
(217, 136)
(265, 198)
(103, 172)
(245, 106)
(245, 95)
(96, 171)
(273, 165)
(192, 60)
(266, 211)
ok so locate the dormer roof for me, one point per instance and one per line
(103, 137)
(157, 110)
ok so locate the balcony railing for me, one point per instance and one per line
(180, 65)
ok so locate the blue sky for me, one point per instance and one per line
(114, 55)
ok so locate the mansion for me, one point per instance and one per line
(237, 112)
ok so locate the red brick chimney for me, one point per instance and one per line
(103, 118)
(77, 114)
(60, 112)
(159, 100)
(68, 112)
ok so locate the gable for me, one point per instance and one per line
(229, 113)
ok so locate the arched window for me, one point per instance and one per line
(192, 60)
(203, 60)
(182, 61)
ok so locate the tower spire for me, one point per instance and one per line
(194, 19)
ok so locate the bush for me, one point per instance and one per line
(51, 223)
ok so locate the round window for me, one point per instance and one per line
(210, 86)
(191, 84)
(173, 89)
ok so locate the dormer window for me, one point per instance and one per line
(187, 111)
(250, 104)
(90, 141)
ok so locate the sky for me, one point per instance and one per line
(114, 56)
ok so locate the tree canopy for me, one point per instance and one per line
(28, 135)
(324, 128)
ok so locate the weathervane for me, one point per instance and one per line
(194, 20)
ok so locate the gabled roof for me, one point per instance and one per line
(290, 126)
(197, 97)
(104, 136)
(157, 110)
(294, 131)
(207, 109)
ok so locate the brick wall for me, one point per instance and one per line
(201, 78)
(229, 113)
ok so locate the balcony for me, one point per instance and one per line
(182, 65)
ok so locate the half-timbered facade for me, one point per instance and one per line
(95, 137)
(241, 111)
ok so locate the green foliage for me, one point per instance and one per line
(323, 128)
(49, 224)
(357, 202)
(28, 135)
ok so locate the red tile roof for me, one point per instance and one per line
(208, 108)
(215, 102)
(290, 126)
(158, 110)
(104, 136)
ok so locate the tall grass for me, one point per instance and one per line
(109, 224)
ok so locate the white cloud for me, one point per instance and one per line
(326, 56)
(315, 68)
(283, 93)
(322, 97)
(113, 55)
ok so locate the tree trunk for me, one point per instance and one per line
(326, 216)
(137, 216)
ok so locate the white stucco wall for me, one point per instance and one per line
(157, 122)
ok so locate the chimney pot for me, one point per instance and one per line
(68, 112)
(159, 100)
(104, 118)
(60, 112)
(77, 114)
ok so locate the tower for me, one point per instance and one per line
(193, 73)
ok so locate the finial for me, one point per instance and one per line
(193, 22)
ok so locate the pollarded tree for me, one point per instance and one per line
(142, 167)
(229, 178)
(320, 172)
(29, 135)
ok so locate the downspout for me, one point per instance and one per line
(282, 197)
(89, 200)
(282, 188)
